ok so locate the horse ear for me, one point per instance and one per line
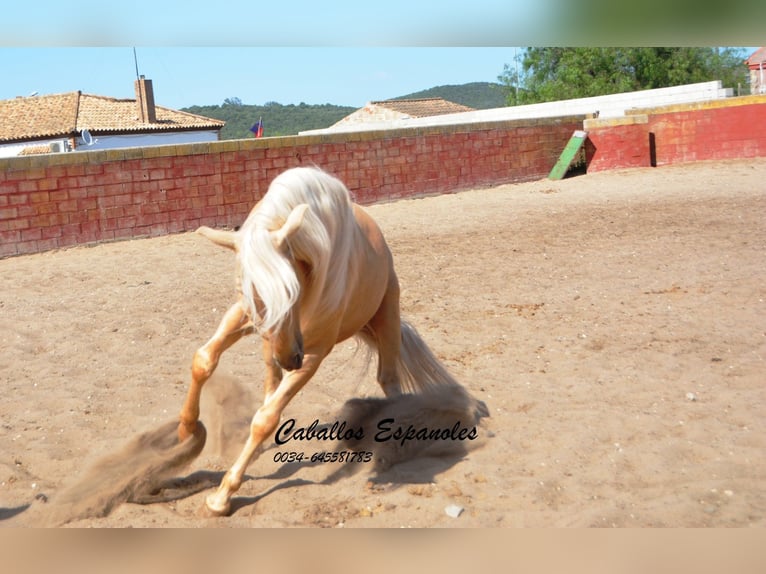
(293, 223)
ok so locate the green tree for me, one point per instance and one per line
(549, 74)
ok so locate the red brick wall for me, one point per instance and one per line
(618, 143)
(53, 201)
(721, 129)
(737, 131)
(59, 200)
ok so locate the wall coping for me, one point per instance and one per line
(600, 123)
(694, 106)
(122, 154)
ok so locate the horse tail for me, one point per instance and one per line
(220, 237)
(419, 369)
(421, 373)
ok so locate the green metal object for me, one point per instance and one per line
(570, 152)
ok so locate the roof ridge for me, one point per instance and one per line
(111, 98)
(40, 96)
(410, 100)
(205, 118)
(76, 110)
(756, 57)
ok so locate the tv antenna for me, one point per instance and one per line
(135, 59)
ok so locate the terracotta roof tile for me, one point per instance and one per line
(101, 114)
(421, 108)
(58, 115)
(38, 116)
(35, 150)
(756, 57)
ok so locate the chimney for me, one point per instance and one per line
(145, 100)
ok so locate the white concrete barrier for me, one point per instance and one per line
(614, 105)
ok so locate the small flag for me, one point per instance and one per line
(257, 128)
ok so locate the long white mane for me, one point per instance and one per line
(324, 241)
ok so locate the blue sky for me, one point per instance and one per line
(339, 52)
(260, 23)
(188, 76)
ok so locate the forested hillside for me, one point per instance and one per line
(278, 119)
(282, 120)
(477, 95)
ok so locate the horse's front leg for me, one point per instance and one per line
(264, 423)
(233, 326)
(273, 370)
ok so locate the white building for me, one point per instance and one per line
(756, 64)
(74, 121)
(609, 106)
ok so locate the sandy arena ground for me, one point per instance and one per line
(614, 324)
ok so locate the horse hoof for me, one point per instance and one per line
(185, 431)
(212, 509)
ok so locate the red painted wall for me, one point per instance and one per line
(612, 145)
(712, 133)
(721, 129)
(59, 200)
(53, 201)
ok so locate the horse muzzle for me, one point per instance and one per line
(293, 363)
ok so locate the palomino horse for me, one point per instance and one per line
(314, 270)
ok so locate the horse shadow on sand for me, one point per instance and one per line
(444, 425)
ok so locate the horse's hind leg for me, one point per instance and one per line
(387, 336)
(233, 326)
